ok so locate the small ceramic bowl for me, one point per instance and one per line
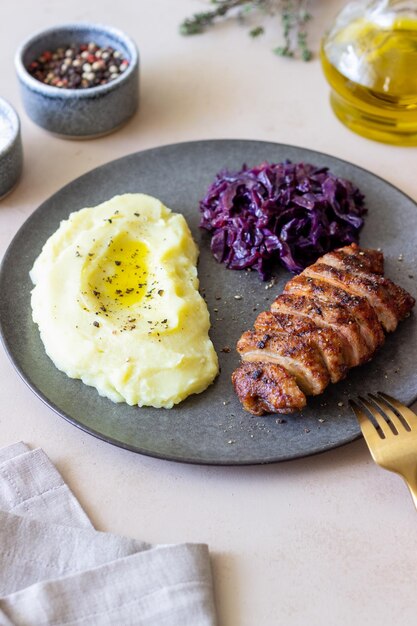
(79, 113)
(11, 159)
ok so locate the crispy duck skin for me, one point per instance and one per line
(299, 357)
(326, 340)
(267, 388)
(391, 303)
(358, 306)
(327, 315)
(355, 259)
(330, 318)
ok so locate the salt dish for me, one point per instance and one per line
(11, 159)
(79, 112)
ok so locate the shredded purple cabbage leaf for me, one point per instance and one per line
(286, 212)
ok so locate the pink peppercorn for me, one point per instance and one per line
(78, 66)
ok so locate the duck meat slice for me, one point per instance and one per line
(328, 341)
(299, 357)
(328, 315)
(357, 259)
(370, 327)
(390, 302)
(267, 388)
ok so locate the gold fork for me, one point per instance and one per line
(392, 439)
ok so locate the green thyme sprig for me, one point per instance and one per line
(294, 18)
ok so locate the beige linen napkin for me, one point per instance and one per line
(56, 569)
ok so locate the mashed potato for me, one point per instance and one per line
(117, 304)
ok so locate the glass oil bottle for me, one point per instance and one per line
(369, 58)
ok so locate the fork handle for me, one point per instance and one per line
(412, 486)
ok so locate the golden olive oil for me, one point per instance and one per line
(372, 69)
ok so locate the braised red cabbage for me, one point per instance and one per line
(286, 212)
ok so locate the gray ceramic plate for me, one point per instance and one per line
(212, 427)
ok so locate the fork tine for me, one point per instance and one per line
(404, 411)
(368, 429)
(379, 418)
(393, 418)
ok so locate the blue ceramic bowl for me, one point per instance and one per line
(11, 159)
(79, 113)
